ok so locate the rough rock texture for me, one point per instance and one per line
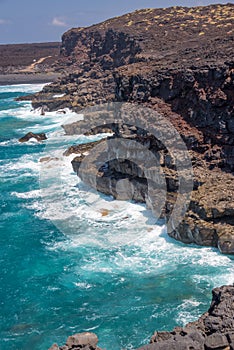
(30, 135)
(209, 220)
(86, 341)
(178, 61)
(214, 330)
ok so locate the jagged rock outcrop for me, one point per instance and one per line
(214, 330)
(31, 135)
(183, 56)
(86, 341)
(209, 220)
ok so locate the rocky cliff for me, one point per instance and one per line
(214, 330)
(179, 62)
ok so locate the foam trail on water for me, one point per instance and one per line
(122, 270)
(22, 88)
(128, 229)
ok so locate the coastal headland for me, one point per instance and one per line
(178, 62)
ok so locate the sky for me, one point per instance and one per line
(29, 21)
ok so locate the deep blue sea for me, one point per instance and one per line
(66, 267)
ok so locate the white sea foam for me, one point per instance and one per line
(73, 201)
(78, 212)
(8, 142)
(16, 166)
(28, 195)
(124, 241)
(27, 88)
(129, 229)
(82, 285)
(188, 311)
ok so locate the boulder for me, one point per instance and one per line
(85, 341)
(39, 137)
(82, 340)
(216, 342)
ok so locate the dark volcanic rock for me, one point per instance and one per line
(214, 330)
(178, 61)
(210, 218)
(138, 57)
(81, 149)
(30, 135)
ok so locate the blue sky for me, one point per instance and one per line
(24, 21)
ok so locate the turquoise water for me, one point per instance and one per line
(65, 268)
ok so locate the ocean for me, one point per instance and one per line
(67, 268)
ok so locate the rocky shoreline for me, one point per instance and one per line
(137, 58)
(214, 330)
(179, 63)
(209, 218)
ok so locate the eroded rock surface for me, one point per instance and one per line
(86, 341)
(209, 219)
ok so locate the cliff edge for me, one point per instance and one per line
(179, 62)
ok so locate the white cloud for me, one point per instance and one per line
(59, 22)
(4, 21)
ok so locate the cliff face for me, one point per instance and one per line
(141, 54)
(209, 219)
(179, 62)
(204, 98)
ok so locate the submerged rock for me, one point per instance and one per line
(30, 135)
